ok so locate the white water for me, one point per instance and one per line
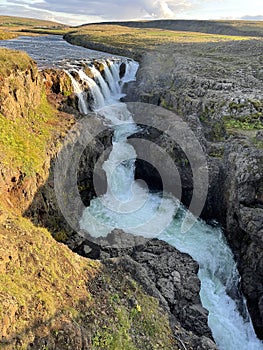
(103, 85)
(128, 206)
(113, 84)
(82, 104)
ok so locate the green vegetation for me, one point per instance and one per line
(250, 28)
(139, 321)
(38, 278)
(9, 21)
(11, 27)
(247, 122)
(51, 31)
(13, 60)
(25, 140)
(140, 38)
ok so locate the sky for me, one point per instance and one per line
(75, 12)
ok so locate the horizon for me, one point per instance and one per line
(79, 12)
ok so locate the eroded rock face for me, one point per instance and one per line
(19, 91)
(244, 226)
(163, 272)
(75, 161)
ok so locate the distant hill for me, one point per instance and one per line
(9, 21)
(240, 28)
(13, 26)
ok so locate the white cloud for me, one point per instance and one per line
(105, 10)
(84, 11)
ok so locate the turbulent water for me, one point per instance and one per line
(129, 206)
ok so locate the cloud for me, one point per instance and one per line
(105, 9)
(109, 8)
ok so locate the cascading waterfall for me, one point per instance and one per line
(104, 91)
(127, 205)
(98, 97)
(113, 83)
(82, 102)
(102, 83)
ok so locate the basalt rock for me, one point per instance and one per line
(244, 227)
(162, 271)
(87, 143)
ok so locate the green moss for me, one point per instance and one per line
(23, 141)
(247, 122)
(61, 236)
(257, 143)
(164, 104)
(40, 274)
(118, 324)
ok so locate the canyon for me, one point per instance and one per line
(205, 84)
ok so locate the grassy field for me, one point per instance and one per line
(11, 27)
(140, 39)
(239, 28)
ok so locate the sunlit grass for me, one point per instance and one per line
(13, 60)
(11, 27)
(141, 39)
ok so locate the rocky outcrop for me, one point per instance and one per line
(76, 160)
(163, 272)
(20, 90)
(244, 199)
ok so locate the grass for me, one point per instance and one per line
(141, 38)
(24, 141)
(13, 60)
(142, 325)
(249, 28)
(38, 277)
(247, 122)
(6, 35)
(10, 21)
(11, 27)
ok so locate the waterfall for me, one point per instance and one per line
(104, 90)
(113, 83)
(128, 206)
(130, 71)
(98, 97)
(82, 102)
(115, 70)
(102, 83)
